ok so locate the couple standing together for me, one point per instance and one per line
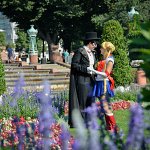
(88, 82)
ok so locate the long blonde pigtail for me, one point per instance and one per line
(109, 47)
(105, 83)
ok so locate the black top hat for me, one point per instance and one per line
(91, 36)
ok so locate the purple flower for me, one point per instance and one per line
(93, 141)
(110, 144)
(64, 136)
(81, 132)
(76, 145)
(46, 116)
(92, 113)
(13, 103)
(136, 128)
(21, 136)
(18, 88)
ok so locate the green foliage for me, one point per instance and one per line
(134, 27)
(118, 10)
(40, 46)
(134, 31)
(127, 96)
(12, 45)
(66, 19)
(28, 105)
(20, 107)
(2, 78)
(48, 16)
(2, 39)
(122, 72)
(142, 45)
(22, 41)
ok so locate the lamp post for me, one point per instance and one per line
(132, 12)
(140, 74)
(32, 45)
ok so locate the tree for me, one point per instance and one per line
(118, 10)
(41, 46)
(113, 32)
(142, 45)
(2, 78)
(2, 73)
(22, 41)
(46, 15)
(134, 31)
(67, 19)
(2, 39)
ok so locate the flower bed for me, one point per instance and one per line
(49, 130)
(120, 105)
(13, 130)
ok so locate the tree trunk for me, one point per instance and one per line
(43, 49)
(50, 39)
(46, 37)
(67, 44)
(50, 51)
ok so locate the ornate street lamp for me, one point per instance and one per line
(140, 74)
(33, 45)
(132, 12)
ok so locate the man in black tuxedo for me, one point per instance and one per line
(81, 77)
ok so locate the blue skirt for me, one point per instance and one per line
(99, 89)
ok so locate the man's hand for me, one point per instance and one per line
(89, 70)
(100, 73)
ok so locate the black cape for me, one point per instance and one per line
(81, 85)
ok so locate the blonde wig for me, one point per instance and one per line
(108, 47)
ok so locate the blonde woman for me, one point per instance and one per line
(104, 85)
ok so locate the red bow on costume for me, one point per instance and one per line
(101, 65)
(101, 68)
(112, 82)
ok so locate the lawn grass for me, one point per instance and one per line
(122, 119)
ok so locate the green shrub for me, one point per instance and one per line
(2, 38)
(142, 45)
(2, 78)
(28, 104)
(26, 107)
(134, 32)
(134, 29)
(122, 72)
(127, 96)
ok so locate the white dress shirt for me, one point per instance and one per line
(90, 55)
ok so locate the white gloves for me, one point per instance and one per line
(89, 70)
(101, 74)
(98, 73)
(100, 77)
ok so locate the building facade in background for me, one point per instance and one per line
(9, 28)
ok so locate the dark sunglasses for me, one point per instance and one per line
(94, 43)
